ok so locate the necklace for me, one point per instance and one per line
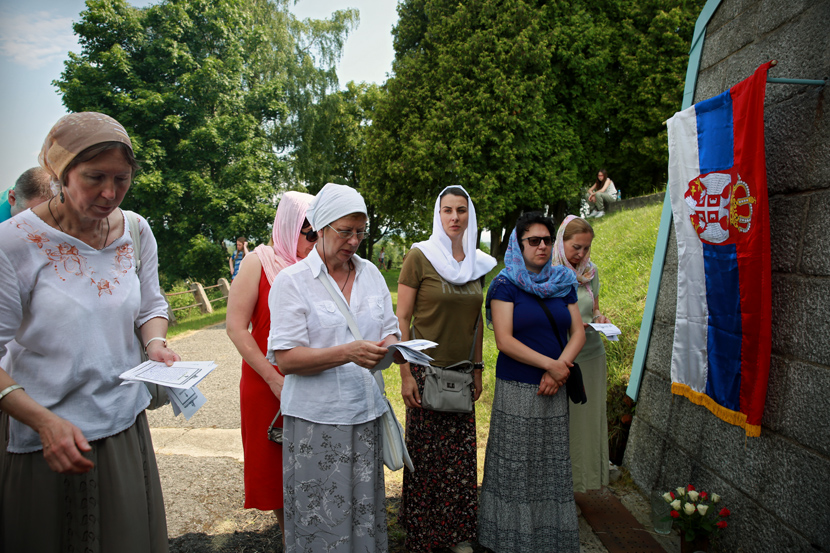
(49, 205)
(347, 277)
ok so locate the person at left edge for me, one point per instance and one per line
(77, 470)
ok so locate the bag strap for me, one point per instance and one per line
(551, 320)
(273, 422)
(344, 309)
(135, 233)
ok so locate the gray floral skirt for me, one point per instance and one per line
(335, 500)
(527, 501)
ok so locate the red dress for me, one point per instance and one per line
(263, 458)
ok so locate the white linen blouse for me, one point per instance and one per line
(68, 322)
(303, 314)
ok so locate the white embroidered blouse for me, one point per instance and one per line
(68, 318)
(303, 314)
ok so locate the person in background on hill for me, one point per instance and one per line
(440, 295)
(77, 468)
(527, 501)
(32, 188)
(601, 193)
(588, 422)
(333, 480)
(238, 255)
(382, 260)
(260, 387)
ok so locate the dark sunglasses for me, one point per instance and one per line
(535, 240)
(310, 235)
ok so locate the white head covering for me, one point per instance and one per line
(333, 202)
(438, 249)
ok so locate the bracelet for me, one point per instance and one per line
(478, 366)
(9, 390)
(163, 339)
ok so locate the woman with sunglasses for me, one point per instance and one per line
(260, 387)
(527, 499)
(588, 422)
(440, 295)
(335, 499)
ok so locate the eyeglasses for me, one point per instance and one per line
(347, 234)
(535, 240)
(310, 235)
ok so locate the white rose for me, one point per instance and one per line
(702, 509)
(681, 492)
(693, 495)
(715, 498)
(675, 504)
(688, 508)
(667, 497)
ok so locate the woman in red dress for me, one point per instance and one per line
(261, 385)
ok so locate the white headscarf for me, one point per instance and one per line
(332, 202)
(438, 249)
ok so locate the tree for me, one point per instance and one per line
(332, 147)
(210, 92)
(650, 46)
(486, 94)
(521, 102)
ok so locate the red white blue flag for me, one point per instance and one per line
(718, 189)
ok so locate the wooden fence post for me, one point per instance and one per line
(171, 316)
(201, 297)
(224, 287)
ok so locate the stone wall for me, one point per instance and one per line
(777, 486)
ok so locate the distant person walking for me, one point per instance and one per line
(382, 260)
(601, 193)
(238, 255)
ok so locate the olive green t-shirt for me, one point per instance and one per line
(593, 340)
(443, 312)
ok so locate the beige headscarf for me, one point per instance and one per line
(73, 134)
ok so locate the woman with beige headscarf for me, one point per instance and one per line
(77, 468)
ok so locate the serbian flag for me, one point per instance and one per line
(718, 190)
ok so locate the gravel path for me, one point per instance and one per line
(200, 462)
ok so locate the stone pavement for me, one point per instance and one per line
(200, 462)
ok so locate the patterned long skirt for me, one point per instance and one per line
(527, 501)
(335, 500)
(439, 500)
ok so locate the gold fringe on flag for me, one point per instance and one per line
(727, 415)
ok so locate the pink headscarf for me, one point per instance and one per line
(286, 234)
(586, 270)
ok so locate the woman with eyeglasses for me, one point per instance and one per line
(332, 451)
(440, 295)
(527, 501)
(260, 387)
(588, 422)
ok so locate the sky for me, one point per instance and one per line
(36, 37)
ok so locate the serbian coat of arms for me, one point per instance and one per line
(720, 206)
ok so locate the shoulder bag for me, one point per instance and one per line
(449, 389)
(159, 393)
(395, 454)
(574, 385)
